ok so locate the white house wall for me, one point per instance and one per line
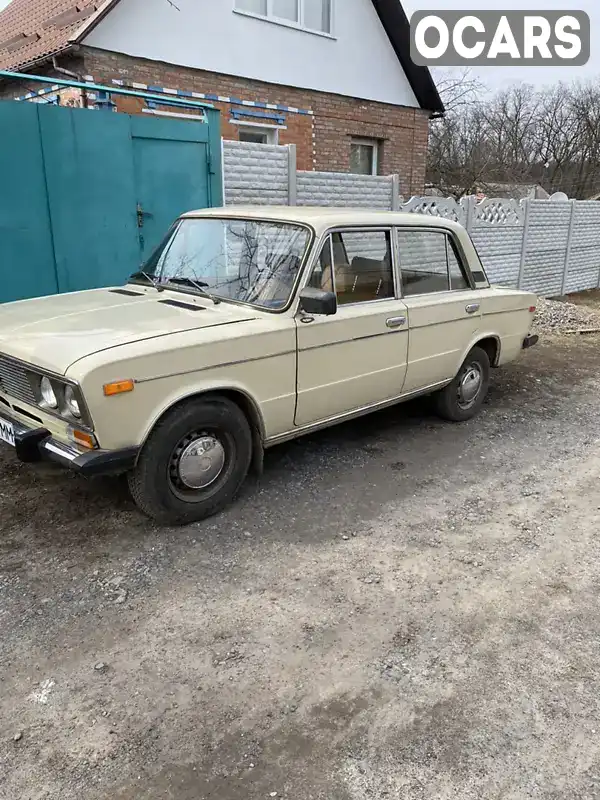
(358, 61)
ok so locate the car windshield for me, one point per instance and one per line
(246, 260)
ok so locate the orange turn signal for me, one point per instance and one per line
(84, 439)
(118, 387)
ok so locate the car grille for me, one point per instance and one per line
(14, 381)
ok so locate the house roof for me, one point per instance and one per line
(33, 30)
(397, 26)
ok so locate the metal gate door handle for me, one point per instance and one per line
(141, 214)
(473, 309)
(395, 322)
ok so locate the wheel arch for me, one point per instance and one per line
(236, 394)
(490, 342)
(492, 345)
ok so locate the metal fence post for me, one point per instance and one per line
(527, 204)
(395, 192)
(292, 176)
(569, 242)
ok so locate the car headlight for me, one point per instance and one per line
(48, 394)
(71, 402)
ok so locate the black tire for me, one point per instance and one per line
(157, 484)
(451, 403)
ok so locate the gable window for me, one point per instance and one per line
(254, 6)
(312, 15)
(287, 9)
(364, 156)
(317, 15)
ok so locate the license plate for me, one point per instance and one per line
(7, 432)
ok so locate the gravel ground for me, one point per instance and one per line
(402, 608)
(557, 316)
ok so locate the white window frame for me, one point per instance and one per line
(374, 143)
(270, 17)
(272, 131)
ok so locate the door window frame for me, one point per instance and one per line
(453, 242)
(328, 236)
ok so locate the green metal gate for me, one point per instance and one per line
(86, 195)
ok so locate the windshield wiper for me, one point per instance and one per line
(200, 287)
(140, 276)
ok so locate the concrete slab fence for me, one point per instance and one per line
(549, 247)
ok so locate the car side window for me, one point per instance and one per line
(429, 263)
(362, 266)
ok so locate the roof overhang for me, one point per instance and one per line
(397, 26)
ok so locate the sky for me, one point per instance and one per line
(498, 77)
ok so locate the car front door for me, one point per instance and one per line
(444, 311)
(357, 357)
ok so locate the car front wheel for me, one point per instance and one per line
(462, 399)
(194, 461)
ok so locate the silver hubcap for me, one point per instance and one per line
(469, 386)
(200, 462)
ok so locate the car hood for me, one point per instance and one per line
(55, 332)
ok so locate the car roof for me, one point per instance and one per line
(323, 217)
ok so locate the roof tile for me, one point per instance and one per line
(31, 18)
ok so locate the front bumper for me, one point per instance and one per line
(36, 444)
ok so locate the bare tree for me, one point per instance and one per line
(457, 157)
(519, 136)
(458, 88)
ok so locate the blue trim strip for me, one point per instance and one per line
(39, 93)
(234, 101)
(236, 113)
(135, 92)
(161, 90)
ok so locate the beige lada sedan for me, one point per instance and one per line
(246, 328)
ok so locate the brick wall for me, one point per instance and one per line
(17, 88)
(322, 139)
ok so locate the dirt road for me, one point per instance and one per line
(401, 609)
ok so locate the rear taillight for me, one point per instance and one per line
(532, 309)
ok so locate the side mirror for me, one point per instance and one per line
(316, 301)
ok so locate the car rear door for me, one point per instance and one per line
(357, 357)
(444, 308)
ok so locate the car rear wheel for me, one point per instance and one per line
(194, 461)
(462, 399)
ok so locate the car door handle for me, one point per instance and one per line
(473, 308)
(395, 322)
